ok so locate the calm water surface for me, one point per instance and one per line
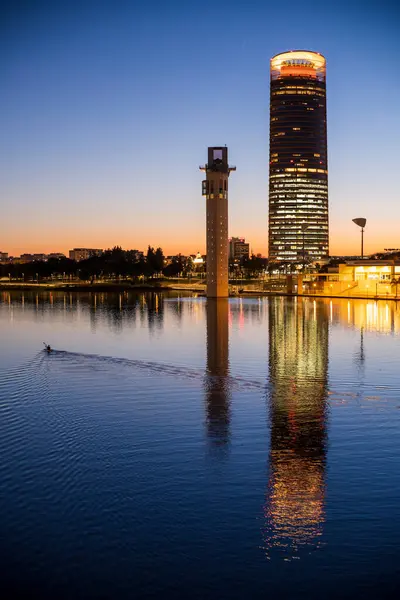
(174, 447)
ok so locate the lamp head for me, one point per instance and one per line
(360, 222)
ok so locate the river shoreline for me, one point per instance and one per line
(158, 287)
(77, 287)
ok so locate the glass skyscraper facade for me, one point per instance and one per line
(298, 170)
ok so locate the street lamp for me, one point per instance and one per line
(361, 222)
(303, 228)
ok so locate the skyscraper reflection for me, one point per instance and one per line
(297, 394)
(216, 381)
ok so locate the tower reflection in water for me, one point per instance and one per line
(298, 365)
(217, 395)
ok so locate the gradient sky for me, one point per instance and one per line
(107, 109)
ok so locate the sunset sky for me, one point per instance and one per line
(107, 109)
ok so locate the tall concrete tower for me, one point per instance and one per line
(215, 189)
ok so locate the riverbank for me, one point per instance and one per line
(163, 287)
(80, 287)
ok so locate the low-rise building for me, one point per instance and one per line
(56, 255)
(369, 270)
(25, 258)
(79, 254)
(177, 258)
(3, 257)
(363, 278)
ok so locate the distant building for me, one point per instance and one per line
(238, 249)
(345, 257)
(3, 256)
(138, 254)
(25, 258)
(78, 254)
(172, 257)
(198, 260)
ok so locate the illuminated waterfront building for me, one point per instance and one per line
(298, 171)
(215, 189)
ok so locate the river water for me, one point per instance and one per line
(171, 446)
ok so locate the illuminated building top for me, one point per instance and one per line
(298, 63)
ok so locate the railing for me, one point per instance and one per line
(349, 287)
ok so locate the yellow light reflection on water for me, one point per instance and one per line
(298, 366)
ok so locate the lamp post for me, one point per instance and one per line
(361, 222)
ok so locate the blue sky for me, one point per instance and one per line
(107, 109)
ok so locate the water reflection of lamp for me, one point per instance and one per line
(360, 356)
(216, 382)
(298, 363)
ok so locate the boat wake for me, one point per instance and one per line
(94, 361)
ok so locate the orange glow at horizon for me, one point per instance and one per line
(185, 232)
(186, 243)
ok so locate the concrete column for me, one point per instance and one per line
(299, 284)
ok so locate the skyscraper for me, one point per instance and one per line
(215, 189)
(298, 170)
